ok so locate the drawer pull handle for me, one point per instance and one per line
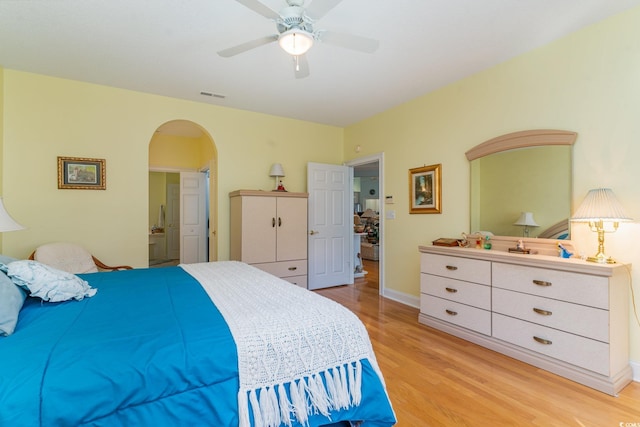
(452, 267)
(542, 341)
(295, 268)
(453, 291)
(543, 312)
(451, 312)
(542, 283)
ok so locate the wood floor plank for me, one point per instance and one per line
(435, 379)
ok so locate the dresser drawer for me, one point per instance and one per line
(566, 286)
(285, 268)
(574, 318)
(456, 290)
(459, 314)
(584, 352)
(297, 280)
(470, 270)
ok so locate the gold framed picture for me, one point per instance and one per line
(425, 188)
(80, 173)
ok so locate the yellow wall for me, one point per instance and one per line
(46, 117)
(2, 133)
(168, 151)
(587, 82)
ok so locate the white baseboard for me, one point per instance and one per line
(403, 298)
(635, 367)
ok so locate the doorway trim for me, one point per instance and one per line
(379, 157)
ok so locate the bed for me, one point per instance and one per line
(217, 344)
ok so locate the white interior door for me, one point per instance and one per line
(330, 225)
(193, 217)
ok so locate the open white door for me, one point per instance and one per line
(193, 217)
(330, 225)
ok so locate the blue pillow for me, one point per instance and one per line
(11, 299)
(48, 283)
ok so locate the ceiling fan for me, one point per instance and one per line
(296, 34)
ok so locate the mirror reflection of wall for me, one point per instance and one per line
(505, 184)
(158, 182)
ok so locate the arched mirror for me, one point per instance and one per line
(523, 177)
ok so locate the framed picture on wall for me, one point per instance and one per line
(425, 188)
(79, 173)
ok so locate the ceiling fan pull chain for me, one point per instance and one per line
(297, 63)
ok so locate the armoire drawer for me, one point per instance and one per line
(580, 351)
(577, 319)
(578, 288)
(459, 314)
(456, 290)
(470, 270)
(297, 280)
(284, 268)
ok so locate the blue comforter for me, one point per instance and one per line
(149, 349)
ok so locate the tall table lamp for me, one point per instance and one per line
(277, 172)
(526, 220)
(599, 208)
(6, 222)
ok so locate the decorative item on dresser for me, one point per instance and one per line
(269, 231)
(567, 316)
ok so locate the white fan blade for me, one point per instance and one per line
(318, 8)
(232, 51)
(301, 66)
(349, 41)
(260, 8)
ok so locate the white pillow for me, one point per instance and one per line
(47, 282)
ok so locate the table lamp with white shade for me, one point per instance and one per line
(6, 222)
(602, 210)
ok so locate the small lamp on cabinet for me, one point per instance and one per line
(277, 171)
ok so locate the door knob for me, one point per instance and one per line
(312, 232)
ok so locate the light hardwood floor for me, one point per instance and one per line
(435, 379)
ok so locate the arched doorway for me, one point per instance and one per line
(179, 146)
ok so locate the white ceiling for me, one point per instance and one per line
(168, 47)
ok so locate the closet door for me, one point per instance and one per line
(259, 225)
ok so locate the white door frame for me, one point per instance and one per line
(381, 228)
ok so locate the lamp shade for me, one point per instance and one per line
(369, 213)
(6, 222)
(276, 170)
(600, 204)
(296, 41)
(526, 219)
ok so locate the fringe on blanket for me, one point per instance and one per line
(334, 389)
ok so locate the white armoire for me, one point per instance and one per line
(269, 231)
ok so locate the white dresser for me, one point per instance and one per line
(567, 316)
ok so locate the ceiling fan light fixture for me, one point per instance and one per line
(296, 41)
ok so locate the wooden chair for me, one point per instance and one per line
(72, 258)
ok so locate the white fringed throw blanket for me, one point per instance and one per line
(298, 353)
